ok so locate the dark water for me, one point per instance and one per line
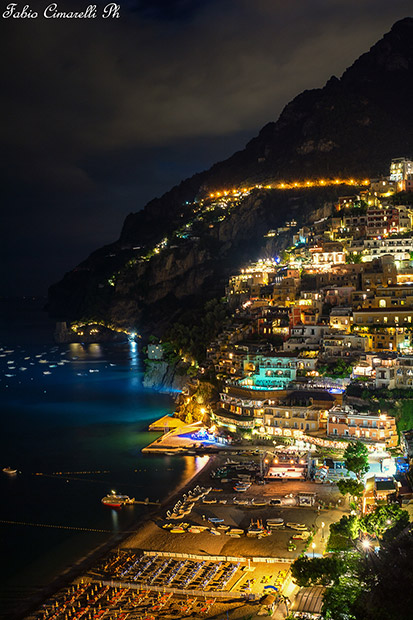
(59, 424)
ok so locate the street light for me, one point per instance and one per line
(365, 544)
(313, 546)
(322, 530)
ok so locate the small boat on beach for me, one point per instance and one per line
(235, 532)
(297, 526)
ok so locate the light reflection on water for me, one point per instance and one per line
(115, 520)
(74, 420)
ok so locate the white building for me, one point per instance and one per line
(399, 248)
(400, 168)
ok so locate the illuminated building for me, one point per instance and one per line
(382, 221)
(400, 168)
(399, 248)
(345, 422)
(341, 319)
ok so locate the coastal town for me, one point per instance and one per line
(300, 419)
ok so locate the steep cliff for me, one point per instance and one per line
(182, 246)
(164, 377)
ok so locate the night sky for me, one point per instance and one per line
(99, 116)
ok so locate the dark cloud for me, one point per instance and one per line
(108, 113)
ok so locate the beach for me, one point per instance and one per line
(245, 563)
(121, 540)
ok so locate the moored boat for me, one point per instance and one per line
(9, 470)
(117, 501)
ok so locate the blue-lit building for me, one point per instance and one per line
(271, 373)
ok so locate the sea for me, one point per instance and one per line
(73, 421)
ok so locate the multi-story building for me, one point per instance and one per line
(252, 278)
(305, 337)
(272, 411)
(385, 329)
(382, 188)
(404, 372)
(341, 319)
(338, 295)
(386, 339)
(347, 423)
(355, 224)
(278, 420)
(271, 372)
(340, 275)
(386, 317)
(400, 169)
(286, 291)
(380, 272)
(382, 221)
(327, 254)
(343, 345)
(273, 321)
(399, 248)
(386, 373)
(388, 297)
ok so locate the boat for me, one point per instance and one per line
(177, 530)
(194, 530)
(241, 487)
(235, 532)
(256, 529)
(241, 502)
(304, 535)
(9, 470)
(259, 502)
(297, 526)
(117, 501)
(215, 532)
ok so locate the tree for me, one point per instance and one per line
(389, 592)
(353, 258)
(356, 459)
(317, 571)
(383, 519)
(340, 602)
(348, 527)
(351, 487)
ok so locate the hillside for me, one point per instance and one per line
(180, 248)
